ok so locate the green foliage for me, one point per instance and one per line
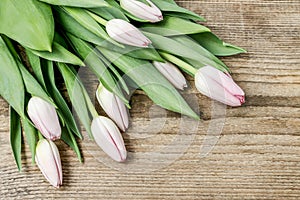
(77, 3)
(28, 22)
(151, 81)
(16, 137)
(11, 88)
(171, 26)
(216, 46)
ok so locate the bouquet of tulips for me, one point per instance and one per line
(148, 42)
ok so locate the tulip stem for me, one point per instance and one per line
(99, 19)
(89, 103)
(180, 63)
(92, 109)
(40, 135)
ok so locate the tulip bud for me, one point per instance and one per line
(109, 138)
(44, 117)
(219, 86)
(113, 106)
(141, 10)
(48, 160)
(126, 33)
(172, 73)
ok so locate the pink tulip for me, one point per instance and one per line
(44, 117)
(219, 86)
(126, 33)
(48, 160)
(172, 73)
(141, 10)
(109, 138)
(113, 106)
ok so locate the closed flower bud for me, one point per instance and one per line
(109, 138)
(172, 73)
(126, 33)
(44, 117)
(219, 86)
(113, 106)
(48, 160)
(141, 10)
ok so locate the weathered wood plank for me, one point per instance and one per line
(257, 154)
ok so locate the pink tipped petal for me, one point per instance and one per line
(219, 86)
(241, 98)
(44, 117)
(126, 33)
(223, 79)
(109, 138)
(172, 73)
(48, 160)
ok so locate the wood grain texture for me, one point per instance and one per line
(257, 155)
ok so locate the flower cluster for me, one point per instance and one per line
(152, 42)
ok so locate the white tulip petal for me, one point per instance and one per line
(143, 11)
(113, 106)
(44, 117)
(109, 138)
(219, 86)
(172, 73)
(126, 33)
(48, 160)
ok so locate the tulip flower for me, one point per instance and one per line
(141, 10)
(125, 33)
(219, 86)
(113, 106)
(44, 117)
(172, 73)
(48, 160)
(109, 138)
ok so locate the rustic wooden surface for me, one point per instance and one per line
(258, 153)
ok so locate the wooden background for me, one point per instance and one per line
(258, 153)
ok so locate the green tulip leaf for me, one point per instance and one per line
(140, 53)
(12, 86)
(28, 22)
(172, 26)
(171, 2)
(189, 42)
(58, 38)
(31, 136)
(32, 85)
(144, 74)
(16, 137)
(171, 8)
(198, 48)
(216, 46)
(76, 95)
(92, 60)
(77, 3)
(87, 21)
(59, 100)
(109, 13)
(35, 64)
(119, 78)
(171, 46)
(70, 140)
(59, 54)
(72, 26)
